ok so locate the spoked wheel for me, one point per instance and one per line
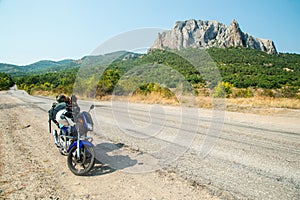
(80, 165)
(62, 146)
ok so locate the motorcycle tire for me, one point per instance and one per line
(81, 165)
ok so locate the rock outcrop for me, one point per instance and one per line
(206, 34)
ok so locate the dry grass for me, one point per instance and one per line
(256, 104)
(261, 105)
(42, 93)
(266, 102)
(152, 98)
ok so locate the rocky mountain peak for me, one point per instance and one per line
(234, 25)
(205, 34)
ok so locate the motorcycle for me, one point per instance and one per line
(73, 142)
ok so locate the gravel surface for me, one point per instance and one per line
(253, 156)
(31, 167)
(202, 154)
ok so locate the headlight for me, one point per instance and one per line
(80, 120)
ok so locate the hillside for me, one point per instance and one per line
(39, 67)
(241, 67)
(245, 67)
(48, 66)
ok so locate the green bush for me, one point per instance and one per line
(222, 90)
(5, 81)
(149, 88)
(242, 93)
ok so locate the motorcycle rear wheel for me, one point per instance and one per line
(81, 165)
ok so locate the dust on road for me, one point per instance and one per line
(32, 168)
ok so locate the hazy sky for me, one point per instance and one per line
(33, 30)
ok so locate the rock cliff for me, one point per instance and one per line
(206, 34)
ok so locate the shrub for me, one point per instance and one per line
(222, 90)
(242, 93)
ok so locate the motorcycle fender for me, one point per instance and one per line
(81, 142)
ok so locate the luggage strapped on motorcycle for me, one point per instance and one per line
(62, 103)
(53, 111)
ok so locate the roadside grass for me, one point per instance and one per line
(262, 105)
(253, 104)
(259, 105)
(256, 104)
(152, 98)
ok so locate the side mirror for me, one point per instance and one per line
(92, 107)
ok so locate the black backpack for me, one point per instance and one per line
(71, 106)
(53, 111)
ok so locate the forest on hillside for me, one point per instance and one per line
(243, 73)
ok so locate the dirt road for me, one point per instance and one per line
(32, 168)
(153, 152)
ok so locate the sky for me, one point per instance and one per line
(33, 30)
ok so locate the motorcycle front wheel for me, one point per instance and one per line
(81, 164)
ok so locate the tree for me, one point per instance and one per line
(107, 82)
(5, 81)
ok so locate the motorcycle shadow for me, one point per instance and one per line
(109, 159)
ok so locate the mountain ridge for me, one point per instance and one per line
(205, 34)
(44, 66)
